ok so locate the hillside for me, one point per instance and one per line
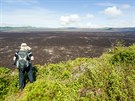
(109, 77)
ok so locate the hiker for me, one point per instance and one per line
(22, 60)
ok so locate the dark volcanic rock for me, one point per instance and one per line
(53, 47)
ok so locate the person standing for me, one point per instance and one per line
(22, 60)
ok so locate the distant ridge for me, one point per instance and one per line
(31, 29)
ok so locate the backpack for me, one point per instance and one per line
(23, 62)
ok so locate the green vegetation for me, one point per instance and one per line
(109, 77)
(124, 55)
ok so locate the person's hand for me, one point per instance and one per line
(32, 58)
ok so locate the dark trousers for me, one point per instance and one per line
(22, 77)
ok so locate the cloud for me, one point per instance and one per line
(90, 16)
(126, 23)
(125, 6)
(114, 24)
(70, 19)
(92, 25)
(37, 17)
(75, 18)
(5, 24)
(106, 4)
(112, 11)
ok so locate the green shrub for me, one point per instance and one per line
(8, 82)
(82, 79)
(124, 56)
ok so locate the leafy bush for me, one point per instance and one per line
(124, 56)
(8, 82)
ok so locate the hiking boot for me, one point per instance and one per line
(20, 90)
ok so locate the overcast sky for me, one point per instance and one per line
(68, 13)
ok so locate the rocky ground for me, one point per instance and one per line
(53, 47)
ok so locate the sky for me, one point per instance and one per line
(67, 13)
